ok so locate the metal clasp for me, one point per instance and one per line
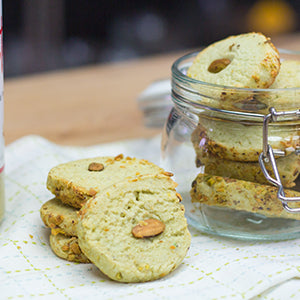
(268, 155)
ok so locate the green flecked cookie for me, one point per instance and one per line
(77, 181)
(135, 230)
(60, 217)
(67, 247)
(240, 195)
(240, 142)
(247, 60)
(289, 75)
(288, 167)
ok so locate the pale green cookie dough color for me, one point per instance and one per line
(106, 222)
(253, 62)
(238, 141)
(60, 217)
(73, 183)
(289, 75)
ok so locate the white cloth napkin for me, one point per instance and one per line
(214, 268)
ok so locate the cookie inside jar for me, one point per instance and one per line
(213, 138)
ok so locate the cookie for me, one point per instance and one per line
(240, 142)
(241, 195)
(245, 61)
(135, 230)
(67, 247)
(288, 167)
(77, 181)
(287, 85)
(283, 98)
(289, 75)
(60, 217)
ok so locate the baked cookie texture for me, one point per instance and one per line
(110, 223)
(241, 195)
(286, 81)
(288, 168)
(66, 247)
(240, 142)
(289, 75)
(285, 89)
(246, 61)
(73, 183)
(60, 217)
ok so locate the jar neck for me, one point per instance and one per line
(187, 103)
(195, 96)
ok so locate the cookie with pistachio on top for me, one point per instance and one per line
(135, 230)
(231, 70)
(77, 181)
(247, 60)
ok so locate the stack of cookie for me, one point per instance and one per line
(229, 150)
(63, 219)
(122, 214)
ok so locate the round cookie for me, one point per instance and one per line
(289, 75)
(67, 247)
(240, 142)
(245, 61)
(60, 217)
(287, 84)
(241, 195)
(135, 230)
(288, 168)
(73, 183)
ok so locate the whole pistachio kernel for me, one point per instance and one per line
(148, 228)
(218, 65)
(96, 167)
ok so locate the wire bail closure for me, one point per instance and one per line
(268, 155)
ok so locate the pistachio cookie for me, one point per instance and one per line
(288, 168)
(66, 247)
(287, 85)
(60, 217)
(77, 181)
(240, 195)
(135, 230)
(246, 61)
(289, 75)
(240, 142)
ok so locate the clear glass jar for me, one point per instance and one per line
(215, 134)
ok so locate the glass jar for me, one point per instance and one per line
(218, 140)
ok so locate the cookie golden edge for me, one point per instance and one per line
(59, 217)
(67, 248)
(206, 141)
(140, 268)
(240, 195)
(266, 68)
(69, 192)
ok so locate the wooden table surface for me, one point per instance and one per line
(83, 106)
(88, 105)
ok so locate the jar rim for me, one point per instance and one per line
(177, 73)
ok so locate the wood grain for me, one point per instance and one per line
(84, 106)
